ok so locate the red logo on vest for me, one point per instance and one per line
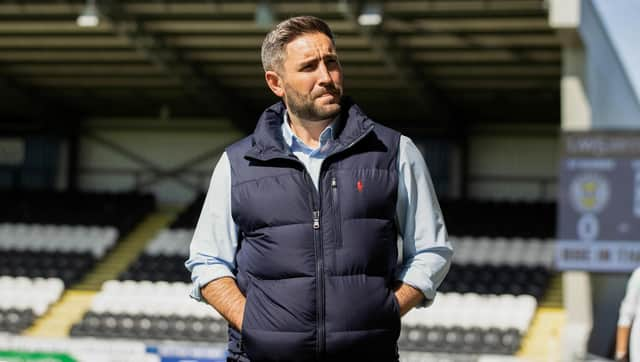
(359, 186)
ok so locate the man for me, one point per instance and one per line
(628, 332)
(297, 243)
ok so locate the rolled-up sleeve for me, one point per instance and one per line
(426, 252)
(629, 305)
(215, 239)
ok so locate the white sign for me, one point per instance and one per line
(12, 151)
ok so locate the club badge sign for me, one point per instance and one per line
(599, 202)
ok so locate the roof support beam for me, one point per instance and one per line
(148, 165)
(203, 90)
(397, 61)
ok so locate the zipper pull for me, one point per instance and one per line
(316, 219)
(334, 183)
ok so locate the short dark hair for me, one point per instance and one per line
(273, 45)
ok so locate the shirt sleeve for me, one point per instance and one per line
(215, 239)
(426, 252)
(629, 304)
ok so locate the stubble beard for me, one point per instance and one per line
(303, 106)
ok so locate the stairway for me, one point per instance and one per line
(542, 342)
(126, 251)
(58, 320)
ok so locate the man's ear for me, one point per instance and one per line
(274, 82)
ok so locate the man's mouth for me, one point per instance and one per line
(328, 94)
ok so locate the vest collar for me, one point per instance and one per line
(268, 143)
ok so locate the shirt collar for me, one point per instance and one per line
(290, 137)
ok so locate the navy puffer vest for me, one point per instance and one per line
(317, 267)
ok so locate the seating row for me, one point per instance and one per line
(122, 210)
(437, 338)
(475, 311)
(69, 266)
(148, 298)
(460, 340)
(151, 327)
(491, 279)
(57, 238)
(15, 321)
(23, 293)
(463, 217)
(504, 251)
(157, 268)
(170, 242)
(468, 249)
(416, 338)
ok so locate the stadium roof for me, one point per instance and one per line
(431, 64)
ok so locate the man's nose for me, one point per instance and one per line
(324, 77)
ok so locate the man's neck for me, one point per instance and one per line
(308, 131)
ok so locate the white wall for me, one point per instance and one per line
(503, 162)
(166, 144)
(512, 163)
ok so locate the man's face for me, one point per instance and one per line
(312, 78)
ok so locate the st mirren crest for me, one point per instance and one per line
(590, 193)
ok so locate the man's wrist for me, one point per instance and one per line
(620, 355)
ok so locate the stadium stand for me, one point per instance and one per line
(485, 305)
(45, 248)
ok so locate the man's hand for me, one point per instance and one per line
(408, 297)
(223, 294)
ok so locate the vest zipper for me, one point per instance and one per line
(320, 290)
(319, 250)
(316, 219)
(338, 218)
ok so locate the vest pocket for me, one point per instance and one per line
(246, 314)
(396, 305)
(248, 339)
(396, 314)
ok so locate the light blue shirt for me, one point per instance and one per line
(424, 251)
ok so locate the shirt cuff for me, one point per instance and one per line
(414, 278)
(625, 321)
(204, 274)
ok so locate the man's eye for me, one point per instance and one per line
(333, 64)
